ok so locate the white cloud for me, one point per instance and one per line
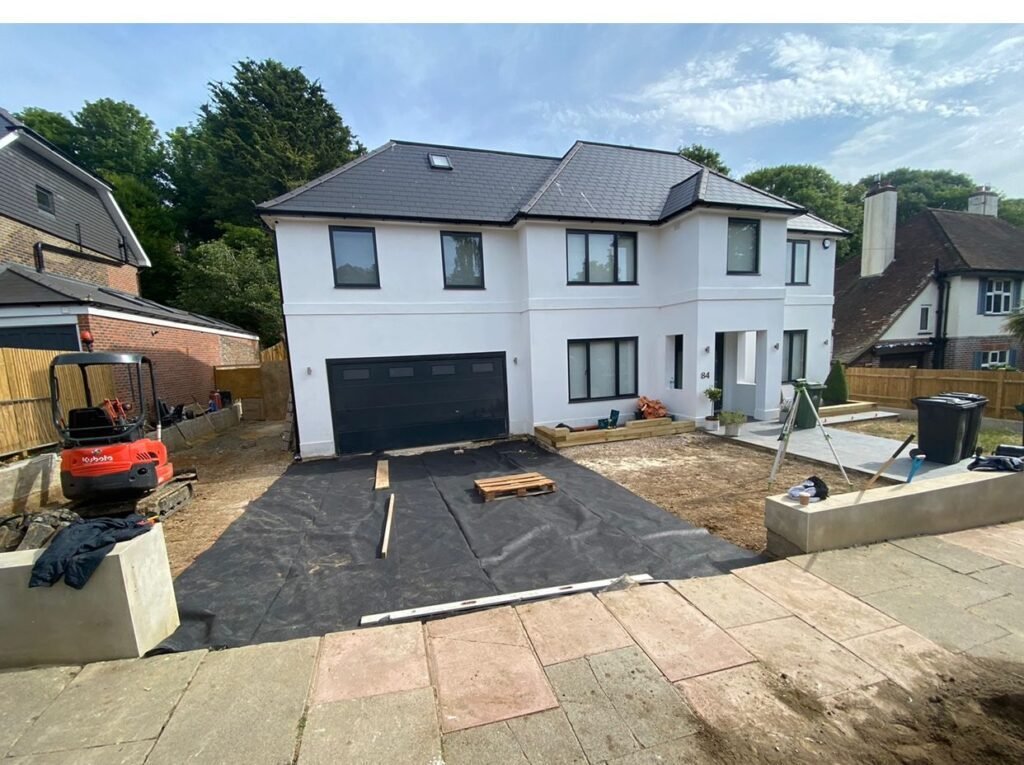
(799, 76)
(983, 148)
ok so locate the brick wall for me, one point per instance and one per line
(960, 350)
(238, 350)
(16, 246)
(183, 360)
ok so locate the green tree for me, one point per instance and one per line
(814, 188)
(1012, 211)
(706, 156)
(234, 278)
(265, 132)
(1015, 325)
(919, 189)
(53, 126)
(836, 390)
(114, 137)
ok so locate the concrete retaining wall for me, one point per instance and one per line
(179, 435)
(124, 610)
(935, 506)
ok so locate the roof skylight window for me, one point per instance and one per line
(440, 162)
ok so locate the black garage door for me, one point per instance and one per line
(417, 400)
(47, 337)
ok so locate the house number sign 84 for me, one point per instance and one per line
(705, 375)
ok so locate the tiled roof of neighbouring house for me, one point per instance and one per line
(22, 286)
(866, 307)
(592, 181)
(812, 224)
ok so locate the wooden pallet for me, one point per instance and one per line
(518, 485)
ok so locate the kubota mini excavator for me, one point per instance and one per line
(108, 464)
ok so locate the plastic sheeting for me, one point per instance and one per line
(302, 560)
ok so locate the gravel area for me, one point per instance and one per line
(706, 480)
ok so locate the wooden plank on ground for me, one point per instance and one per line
(387, 527)
(647, 423)
(383, 478)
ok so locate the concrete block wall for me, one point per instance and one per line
(183, 359)
(16, 246)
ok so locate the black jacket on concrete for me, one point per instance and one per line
(77, 550)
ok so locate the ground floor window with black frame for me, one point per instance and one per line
(794, 355)
(602, 368)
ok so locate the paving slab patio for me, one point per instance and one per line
(570, 628)
(868, 569)
(984, 541)
(395, 727)
(860, 452)
(114, 754)
(112, 702)
(234, 714)
(547, 737)
(817, 665)
(827, 608)
(955, 557)
(644, 699)
(492, 744)
(916, 669)
(371, 662)
(24, 696)
(936, 618)
(679, 638)
(485, 669)
(906, 657)
(601, 731)
(728, 601)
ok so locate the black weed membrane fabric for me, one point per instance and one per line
(303, 559)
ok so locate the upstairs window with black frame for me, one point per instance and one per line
(463, 256)
(798, 267)
(355, 257)
(600, 257)
(45, 200)
(794, 355)
(743, 247)
(601, 369)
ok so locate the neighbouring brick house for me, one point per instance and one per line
(69, 264)
(933, 292)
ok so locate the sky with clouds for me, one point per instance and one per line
(854, 99)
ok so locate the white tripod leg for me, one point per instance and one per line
(787, 428)
(828, 439)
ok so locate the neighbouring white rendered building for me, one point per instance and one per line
(434, 294)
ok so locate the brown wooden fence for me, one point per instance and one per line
(263, 390)
(25, 416)
(897, 387)
(276, 352)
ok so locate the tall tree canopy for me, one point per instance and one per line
(114, 137)
(814, 188)
(919, 189)
(705, 156)
(53, 126)
(235, 279)
(265, 132)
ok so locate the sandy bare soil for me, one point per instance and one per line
(234, 467)
(706, 480)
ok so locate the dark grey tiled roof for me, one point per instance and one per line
(814, 225)
(593, 181)
(23, 286)
(397, 181)
(8, 121)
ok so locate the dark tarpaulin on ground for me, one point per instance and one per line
(302, 560)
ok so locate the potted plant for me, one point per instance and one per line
(732, 422)
(714, 395)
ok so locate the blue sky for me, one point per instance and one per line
(854, 99)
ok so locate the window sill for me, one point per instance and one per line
(464, 287)
(742, 273)
(357, 286)
(602, 284)
(798, 284)
(623, 397)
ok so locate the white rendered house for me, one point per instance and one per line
(435, 294)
